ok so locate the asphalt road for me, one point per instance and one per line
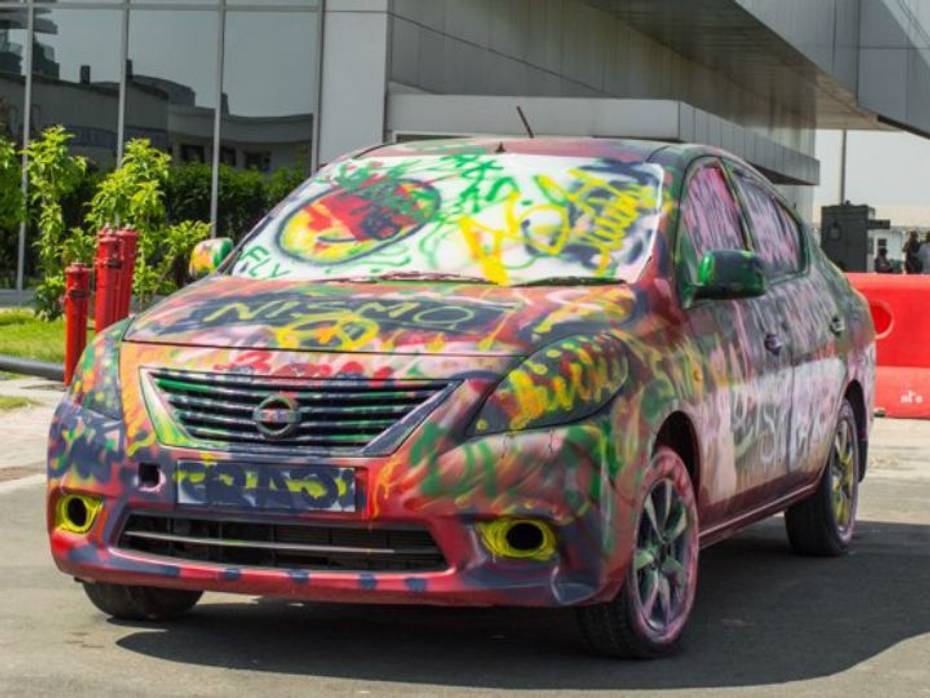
(766, 622)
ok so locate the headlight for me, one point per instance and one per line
(563, 382)
(95, 385)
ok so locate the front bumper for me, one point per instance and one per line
(570, 477)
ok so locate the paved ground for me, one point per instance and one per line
(766, 623)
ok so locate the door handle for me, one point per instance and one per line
(773, 343)
(837, 325)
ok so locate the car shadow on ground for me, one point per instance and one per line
(762, 616)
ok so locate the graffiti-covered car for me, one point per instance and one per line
(529, 372)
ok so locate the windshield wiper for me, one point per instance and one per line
(407, 276)
(574, 281)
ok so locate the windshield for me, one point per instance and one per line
(506, 219)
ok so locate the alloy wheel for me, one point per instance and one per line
(661, 560)
(843, 478)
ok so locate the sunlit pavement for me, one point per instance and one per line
(766, 622)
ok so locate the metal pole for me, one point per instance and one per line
(217, 121)
(843, 169)
(121, 107)
(27, 126)
(318, 96)
(31, 367)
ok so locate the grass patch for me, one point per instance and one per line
(23, 334)
(14, 403)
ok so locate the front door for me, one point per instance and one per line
(745, 411)
(813, 326)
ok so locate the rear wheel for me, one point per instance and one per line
(646, 618)
(823, 524)
(140, 603)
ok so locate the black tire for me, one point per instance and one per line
(623, 627)
(815, 526)
(140, 603)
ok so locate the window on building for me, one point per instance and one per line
(193, 153)
(258, 161)
(268, 105)
(710, 221)
(171, 78)
(76, 81)
(13, 39)
(228, 156)
(776, 233)
(158, 64)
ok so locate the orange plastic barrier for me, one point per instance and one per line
(900, 306)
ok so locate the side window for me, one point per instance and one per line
(793, 238)
(710, 220)
(777, 236)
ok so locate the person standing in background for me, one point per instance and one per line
(882, 263)
(923, 254)
(912, 263)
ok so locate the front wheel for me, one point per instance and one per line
(823, 524)
(646, 618)
(140, 603)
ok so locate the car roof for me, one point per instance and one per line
(673, 155)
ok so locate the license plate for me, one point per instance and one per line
(291, 488)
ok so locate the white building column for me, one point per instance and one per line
(353, 80)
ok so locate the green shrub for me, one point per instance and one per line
(281, 183)
(53, 175)
(187, 192)
(244, 195)
(134, 196)
(11, 210)
(70, 202)
(241, 201)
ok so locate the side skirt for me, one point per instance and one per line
(724, 530)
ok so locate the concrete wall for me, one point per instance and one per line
(878, 49)
(895, 61)
(825, 31)
(564, 48)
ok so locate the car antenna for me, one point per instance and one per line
(526, 124)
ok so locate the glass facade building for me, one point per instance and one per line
(232, 82)
(277, 87)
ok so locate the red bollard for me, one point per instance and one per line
(128, 241)
(77, 281)
(107, 266)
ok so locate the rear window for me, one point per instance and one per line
(507, 219)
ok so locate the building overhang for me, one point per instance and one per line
(652, 119)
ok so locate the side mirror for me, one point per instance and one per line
(207, 257)
(730, 274)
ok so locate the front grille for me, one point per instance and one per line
(290, 546)
(363, 417)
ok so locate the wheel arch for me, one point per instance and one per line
(856, 397)
(678, 433)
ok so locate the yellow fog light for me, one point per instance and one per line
(526, 539)
(76, 513)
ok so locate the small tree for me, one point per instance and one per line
(11, 207)
(134, 196)
(53, 174)
(11, 193)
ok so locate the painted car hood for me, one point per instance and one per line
(408, 318)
